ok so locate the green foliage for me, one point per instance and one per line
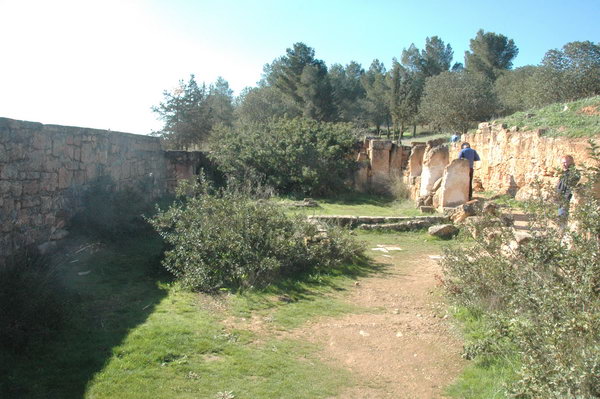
(32, 300)
(304, 79)
(579, 118)
(375, 103)
(542, 296)
(490, 54)
(261, 104)
(300, 156)
(348, 92)
(227, 238)
(456, 100)
(110, 212)
(191, 111)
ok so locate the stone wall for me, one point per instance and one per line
(44, 169)
(511, 160)
(379, 162)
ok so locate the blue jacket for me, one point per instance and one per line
(470, 154)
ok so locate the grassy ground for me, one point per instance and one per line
(358, 205)
(576, 119)
(487, 376)
(134, 334)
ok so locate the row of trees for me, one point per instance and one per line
(421, 87)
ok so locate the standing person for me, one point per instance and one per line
(454, 138)
(568, 179)
(471, 155)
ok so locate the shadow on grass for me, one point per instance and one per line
(115, 287)
(309, 286)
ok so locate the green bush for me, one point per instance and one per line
(110, 212)
(228, 238)
(32, 300)
(543, 295)
(298, 156)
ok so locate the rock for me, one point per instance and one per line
(437, 184)
(47, 247)
(444, 231)
(427, 209)
(454, 188)
(58, 234)
(490, 208)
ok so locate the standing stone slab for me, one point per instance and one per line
(454, 190)
(435, 160)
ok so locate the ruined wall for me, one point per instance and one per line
(44, 169)
(511, 160)
(379, 162)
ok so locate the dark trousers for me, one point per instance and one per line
(470, 184)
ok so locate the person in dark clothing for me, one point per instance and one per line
(471, 155)
(568, 180)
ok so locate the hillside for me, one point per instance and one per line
(579, 118)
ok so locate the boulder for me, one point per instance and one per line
(427, 209)
(444, 231)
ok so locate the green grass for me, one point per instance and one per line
(557, 121)
(135, 334)
(357, 205)
(487, 376)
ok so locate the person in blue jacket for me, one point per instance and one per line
(471, 155)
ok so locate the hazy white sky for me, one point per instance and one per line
(103, 64)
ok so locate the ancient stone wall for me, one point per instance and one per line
(379, 162)
(44, 169)
(511, 160)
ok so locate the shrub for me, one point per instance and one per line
(543, 295)
(110, 212)
(398, 189)
(32, 300)
(227, 238)
(300, 156)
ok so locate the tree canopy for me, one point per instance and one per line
(490, 54)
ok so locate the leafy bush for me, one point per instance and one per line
(32, 300)
(110, 212)
(299, 155)
(227, 238)
(542, 295)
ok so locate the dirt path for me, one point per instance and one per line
(406, 350)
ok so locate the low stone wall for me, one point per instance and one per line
(44, 169)
(511, 160)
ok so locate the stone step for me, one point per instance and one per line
(356, 221)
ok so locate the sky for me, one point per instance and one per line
(104, 64)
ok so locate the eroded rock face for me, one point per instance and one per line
(435, 160)
(415, 160)
(454, 189)
(511, 160)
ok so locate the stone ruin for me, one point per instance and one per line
(433, 180)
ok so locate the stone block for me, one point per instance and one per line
(454, 188)
(444, 231)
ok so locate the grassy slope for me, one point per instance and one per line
(580, 118)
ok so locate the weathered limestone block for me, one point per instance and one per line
(444, 231)
(379, 155)
(454, 189)
(396, 161)
(435, 160)
(415, 160)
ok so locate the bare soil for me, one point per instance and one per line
(409, 348)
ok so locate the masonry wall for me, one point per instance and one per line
(45, 168)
